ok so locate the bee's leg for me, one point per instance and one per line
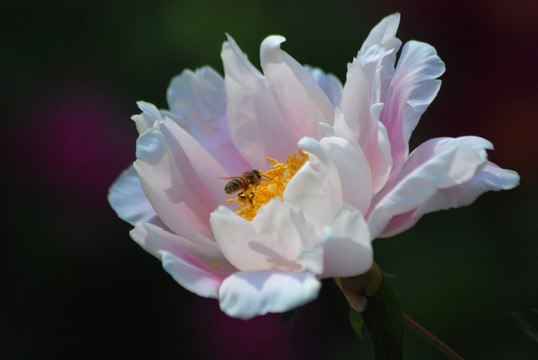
(244, 196)
(250, 197)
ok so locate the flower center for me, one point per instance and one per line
(272, 184)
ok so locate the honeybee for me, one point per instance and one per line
(238, 183)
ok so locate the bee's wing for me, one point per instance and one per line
(228, 177)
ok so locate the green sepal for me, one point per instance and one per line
(355, 318)
(286, 317)
(384, 321)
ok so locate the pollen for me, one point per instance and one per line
(273, 184)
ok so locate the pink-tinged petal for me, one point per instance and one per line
(248, 294)
(267, 115)
(128, 199)
(303, 101)
(472, 152)
(330, 84)
(273, 240)
(347, 244)
(174, 202)
(438, 163)
(490, 178)
(361, 109)
(257, 124)
(201, 172)
(185, 268)
(411, 90)
(154, 240)
(361, 90)
(366, 82)
(198, 101)
(191, 276)
(384, 34)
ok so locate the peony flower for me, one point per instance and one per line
(334, 170)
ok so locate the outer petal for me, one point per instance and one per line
(347, 245)
(190, 276)
(272, 241)
(198, 99)
(411, 90)
(200, 170)
(155, 240)
(295, 88)
(187, 270)
(128, 199)
(384, 34)
(247, 294)
(331, 86)
(438, 163)
(149, 115)
(268, 115)
(490, 178)
(169, 191)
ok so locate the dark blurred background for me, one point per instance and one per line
(75, 286)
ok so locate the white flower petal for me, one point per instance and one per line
(155, 240)
(361, 109)
(383, 32)
(248, 294)
(198, 97)
(149, 115)
(412, 89)
(337, 172)
(438, 163)
(198, 100)
(311, 190)
(128, 199)
(350, 172)
(330, 84)
(464, 165)
(490, 178)
(192, 277)
(347, 246)
(268, 114)
(296, 90)
(201, 172)
(174, 202)
(273, 240)
(257, 124)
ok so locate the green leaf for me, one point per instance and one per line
(286, 317)
(355, 319)
(384, 320)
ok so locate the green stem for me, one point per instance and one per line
(432, 339)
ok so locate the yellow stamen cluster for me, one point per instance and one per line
(273, 183)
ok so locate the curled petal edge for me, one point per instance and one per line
(248, 294)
